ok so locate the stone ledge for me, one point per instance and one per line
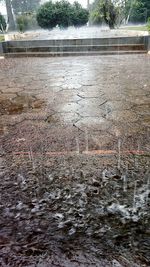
(1, 48)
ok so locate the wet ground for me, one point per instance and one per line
(75, 161)
(75, 33)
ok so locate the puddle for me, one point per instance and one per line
(19, 105)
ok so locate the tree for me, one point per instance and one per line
(136, 10)
(109, 13)
(96, 17)
(113, 12)
(25, 6)
(139, 11)
(11, 21)
(10, 16)
(2, 23)
(106, 10)
(148, 24)
(18, 6)
(61, 13)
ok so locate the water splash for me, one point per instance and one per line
(31, 158)
(22, 181)
(141, 197)
(124, 178)
(119, 153)
(136, 162)
(86, 141)
(77, 146)
(104, 176)
(134, 196)
(148, 190)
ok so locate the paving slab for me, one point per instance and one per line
(101, 92)
(74, 161)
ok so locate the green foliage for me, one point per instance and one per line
(2, 38)
(113, 12)
(25, 6)
(138, 10)
(148, 24)
(22, 23)
(61, 13)
(26, 21)
(96, 18)
(105, 11)
(80, 15)
(46, 15)
(2, 23)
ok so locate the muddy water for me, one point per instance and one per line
(75, 162)
(18, 104)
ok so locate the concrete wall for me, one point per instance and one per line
(4, 46)
(148, 44)
(95, 41)
(1, 48)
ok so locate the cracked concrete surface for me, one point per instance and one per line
(63, 123)
(106, 95)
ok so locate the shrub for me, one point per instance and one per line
(46, 16)
(26, 21)
(80, 15)
(2, 23)
(61, 13)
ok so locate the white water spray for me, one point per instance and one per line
(134, 196)
(124, 178)
(31, 158)
(119, 153)
(86, 141)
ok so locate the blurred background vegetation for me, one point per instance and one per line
(28, 14)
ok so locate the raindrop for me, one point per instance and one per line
(86, 141)
(77, 146)
(134, 196)
(119, 153)
(124, 178)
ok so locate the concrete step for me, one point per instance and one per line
(60, 54)
(77, 48)
(83, 41)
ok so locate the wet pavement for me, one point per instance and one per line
(75, 161)
(102, 97)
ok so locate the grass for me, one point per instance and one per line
(137, 28)
(2, 38)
